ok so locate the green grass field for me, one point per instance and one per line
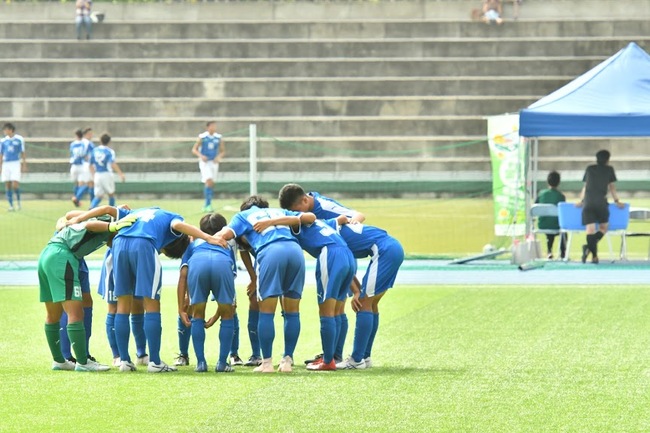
(447, 359)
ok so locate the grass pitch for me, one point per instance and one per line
(448, 359)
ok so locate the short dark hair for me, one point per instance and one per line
(212, 223)
(78, 132)
(210, 122)
(176, 248)
(602, 157)
(553, 179)
(105, 139)
(9, 126)
(290, 194)
(87, 130)
(254, 200)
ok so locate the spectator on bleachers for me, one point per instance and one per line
(83, 18)
(492, 12)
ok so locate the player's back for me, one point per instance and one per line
(153, 223)
(362, 238)
(78, 152)
(243, 222)
(102, 158)
(325, 207)
(314, 237)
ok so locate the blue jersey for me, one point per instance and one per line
(199, 247)
(209, 145)
(102, 158)
(242, 225)
(79, 152)
(325, 207)
(314, 237)
(360, 238)
(155, 224)
(12, 147)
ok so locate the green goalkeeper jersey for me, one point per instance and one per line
(79, 240)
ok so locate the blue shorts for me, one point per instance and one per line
(210, 273)
(335, 269)
(136, 268)
(106, 287)
(280, 270)
(84, 281)
(386, 259)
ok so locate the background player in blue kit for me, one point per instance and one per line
(12, 163)
(293, 197)
(137, 272)
(79, 166)
(102, 165)
(209, 269)
(335, 269)
(280, 267)
(88, 140)
(210, 149)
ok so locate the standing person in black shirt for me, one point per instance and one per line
(599, 180)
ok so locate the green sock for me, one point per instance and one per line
(52, 336)
(77, 336)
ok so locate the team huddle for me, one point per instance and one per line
(270, 242)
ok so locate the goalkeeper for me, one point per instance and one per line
(58, 277)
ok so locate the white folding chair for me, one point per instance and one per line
(636, 214)
(545, 210)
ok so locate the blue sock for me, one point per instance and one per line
(110, 334)
(95, 202)
(75, 190)
(111, 201)
(234, 348)
(291, 332)
(341, 334)
(226, 332)
(81, 190)
(375, 326)
(207, 193)
(253, 319)
(266, 333)
(153, 331)
(122, 333)
(65, 341)
(91, 193)
(362, 332)
(10, 196)
(137, 327)
(17, 190)
(184, 334)
(328, 337)
(88, 324)
(197, 330)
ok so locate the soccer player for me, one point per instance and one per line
(335, 269)
(209, 269)
(58, 276)
(293, 197)
(137, 272)
(210, 149)
(79, 169)
(12, 163)
(245, 252)
(280, 273)
(102, 165)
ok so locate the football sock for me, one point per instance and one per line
(253, 319)
(77, 335)
(17, 190)
(184, 334)
(64, 340)
(197, 330)
(52, 336)
(153, 331)
(81, 190)
(88, 324)
(362, 332)
(328, 338)
(341, 334)
(266, 333)
(10, 196)
(225, 339)
(375, 326)
(111, 201)
(291, 332)
(110, 334)
(137, 327)
(91, 192)
(234, 347)
(122, 333)
(75, 190)
(95, 202)
(208, 192)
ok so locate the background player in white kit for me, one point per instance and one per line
(102, 164)
(12, 163)
(210, 150)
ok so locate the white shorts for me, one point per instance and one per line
(209, 170)
(11, 171)
(104, 184)
(80, 173)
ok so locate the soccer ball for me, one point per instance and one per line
(488, 248)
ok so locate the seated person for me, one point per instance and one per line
(492, 11)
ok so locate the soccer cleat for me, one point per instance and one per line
(19, 206)
(160, 368)
(285, 365)
(351, 364)
(91, 358)
(142, 360)
(207, 208)
(368, 362)
(266, 366)
(314, 359)
(65, 365)
(10, 209)
(253, 361)
(595, 260)
(182, 360)
(585, 253)
(72, 359)
(223, 368)
(127, 366)
(321, 366)
(91, 365)
(117, 361)
(201, 367)
(236, 360)
(76, 202)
